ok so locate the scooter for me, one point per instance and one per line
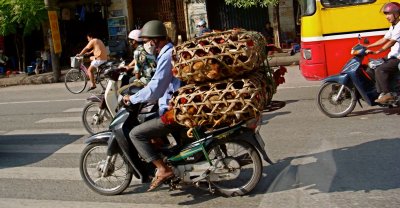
(227, 161)
(338, 95)
(101, 108)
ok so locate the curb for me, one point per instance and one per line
(284, 60)
(25, 79)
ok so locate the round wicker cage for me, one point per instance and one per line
(222, 103)
(218, 55)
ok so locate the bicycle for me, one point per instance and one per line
(76, 78)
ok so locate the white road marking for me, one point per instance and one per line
(42, 148)
(41, 101)
(78, 131)
(73, 110)
(40, 173)
(60, 120)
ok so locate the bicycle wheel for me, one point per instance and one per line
(92, 165)
(75, 81)
(334, 105)
(238, 167)
(95, 119)
(102, 80)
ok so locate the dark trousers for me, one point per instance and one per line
(383, 73)
(141, 135)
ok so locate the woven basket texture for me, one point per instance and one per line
(218, 56)
(222, 103)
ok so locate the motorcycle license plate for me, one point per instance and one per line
(259, 139)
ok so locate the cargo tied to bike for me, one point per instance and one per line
(228, 79)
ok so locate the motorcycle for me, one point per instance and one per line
(101, 108)
(227, 160)
(338, 95)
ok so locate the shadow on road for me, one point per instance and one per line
(384, 110)
(365, 167)
(12, 154)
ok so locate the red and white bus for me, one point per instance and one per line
(330, 28)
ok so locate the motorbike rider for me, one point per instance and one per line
(143, 63)
(390, 40)
(160, 88)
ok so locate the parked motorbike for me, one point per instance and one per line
(227, 160)
(101, 108)
(338, 94)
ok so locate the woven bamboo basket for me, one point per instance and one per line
(219, 104)
(218, 56)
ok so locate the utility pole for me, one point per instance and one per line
(174, 22)
(55, 59)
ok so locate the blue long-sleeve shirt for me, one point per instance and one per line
(162, 84)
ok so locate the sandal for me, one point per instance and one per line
(91, 88)
(157, 181)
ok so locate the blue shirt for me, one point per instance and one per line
(162, 84)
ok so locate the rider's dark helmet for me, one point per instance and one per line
(391, 8)
(154, 29)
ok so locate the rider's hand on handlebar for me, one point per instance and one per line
(370, 52)
(126, 100)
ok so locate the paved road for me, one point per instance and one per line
(320, 162)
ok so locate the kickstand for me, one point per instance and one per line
(210, 189)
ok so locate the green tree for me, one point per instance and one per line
(262, 3)
(19, 18)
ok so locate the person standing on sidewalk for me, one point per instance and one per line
(100, 56)
(3, 62)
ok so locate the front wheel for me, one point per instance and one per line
(92, 166)
(94, 118)
(336, 100)
(238, 167)
(75, 81)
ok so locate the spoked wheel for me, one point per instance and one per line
(92, 167)
(239, 167)
(75, 81)
(95, 119)
(336, 100)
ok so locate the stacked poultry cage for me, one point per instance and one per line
(227, 80)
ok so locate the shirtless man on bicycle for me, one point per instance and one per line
(97, 47)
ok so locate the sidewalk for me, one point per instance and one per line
(25, 79)
(278, 59)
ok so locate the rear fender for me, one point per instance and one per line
(248, 136)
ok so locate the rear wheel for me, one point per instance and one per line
(336, 100)
(94, 118)
(92, 166)
(75, 81)
(238, 167)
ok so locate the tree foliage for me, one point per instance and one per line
(21, 16)
(251, 3)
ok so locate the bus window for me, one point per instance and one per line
(340, 3)
(308, 7)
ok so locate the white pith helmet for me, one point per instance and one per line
(135, 35)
